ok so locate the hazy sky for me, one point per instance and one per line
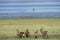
(25, 7)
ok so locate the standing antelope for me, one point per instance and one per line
(44, 33)
(20, 34)
(27, 33)
(36, 34)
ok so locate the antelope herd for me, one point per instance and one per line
(27, 33)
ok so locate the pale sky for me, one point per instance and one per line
(25, 7)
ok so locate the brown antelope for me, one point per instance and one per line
(20, 34)
(27, 33)
(36, 34)
(44, 33)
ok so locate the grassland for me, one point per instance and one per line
(8, 27)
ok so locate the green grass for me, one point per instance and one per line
(8, 27)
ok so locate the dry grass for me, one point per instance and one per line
(8, 26)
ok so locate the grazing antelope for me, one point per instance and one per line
(44, 33)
